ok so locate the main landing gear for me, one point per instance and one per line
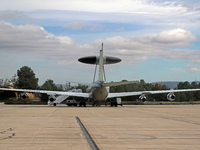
(82, 103)
(96, 103)
(113, 104)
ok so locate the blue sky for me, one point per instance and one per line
(157, 40)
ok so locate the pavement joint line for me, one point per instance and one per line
(87, 135)
(2, 111)
(166, 116)
(49, 115)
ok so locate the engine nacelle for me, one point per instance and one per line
(52, 98)
(171, 97)
(24, 96)
(143, 98)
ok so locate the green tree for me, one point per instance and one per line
(178, 97)
(48, 85)
(187, 85)
(82, 87)
(26, 78)
(180, 85)
(183, 97)
(190, 96)
(194, 85)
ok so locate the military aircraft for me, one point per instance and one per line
(99, 91)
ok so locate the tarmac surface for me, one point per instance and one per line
(148, 127)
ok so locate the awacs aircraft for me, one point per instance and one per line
(100, 89)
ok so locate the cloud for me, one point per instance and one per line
(28, 37)
(119, 30)
(150, 12)
(79, 25)
(139, 48)
(16, 16)
(192, 68)
(66, 63)
(192, 8)
(195, 69)
(123, 6)
(175, 36)
(170, 38)
(76, 25)
(34, 40)
(10, 14)
(170, 13)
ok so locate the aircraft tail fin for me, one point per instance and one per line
(101, 65)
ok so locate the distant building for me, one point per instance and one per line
(158, 85)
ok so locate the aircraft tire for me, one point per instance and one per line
(111, 104)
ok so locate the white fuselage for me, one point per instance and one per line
(100, 93)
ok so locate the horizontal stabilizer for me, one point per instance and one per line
(119, 83)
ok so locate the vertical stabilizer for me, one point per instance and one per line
(101, 68)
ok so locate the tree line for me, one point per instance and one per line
(25, 79)
(188, 96)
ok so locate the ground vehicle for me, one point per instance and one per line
(71, 103)
(119, 101)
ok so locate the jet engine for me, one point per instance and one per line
(143, 98)
(171, 97)
(24, 96)
(52, 98)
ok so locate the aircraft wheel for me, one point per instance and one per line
(84, 104)
(111, 104)
(93, 104)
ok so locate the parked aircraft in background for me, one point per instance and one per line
(100, 89)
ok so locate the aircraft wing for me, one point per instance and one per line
(85, 95)
(123, 94)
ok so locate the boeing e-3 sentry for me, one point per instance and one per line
(99, 91)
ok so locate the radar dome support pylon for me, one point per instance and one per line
(101, 61)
